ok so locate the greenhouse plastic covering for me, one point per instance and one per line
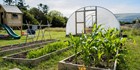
(85, 18)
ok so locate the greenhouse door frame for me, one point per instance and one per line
(84, 18)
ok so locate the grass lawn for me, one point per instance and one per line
(133, 56)
(53, 33)
(132, 61)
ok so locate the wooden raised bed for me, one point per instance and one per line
(20, 58)
(18, 47)
(66, 65)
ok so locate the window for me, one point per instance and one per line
(14, 16)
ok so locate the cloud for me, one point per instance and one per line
(64, 6)
(67, 7)
(124, 9)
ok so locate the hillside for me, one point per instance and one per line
(127, 17)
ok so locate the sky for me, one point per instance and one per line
(67, 7)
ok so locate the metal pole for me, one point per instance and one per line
(92, 19)
(96, 15)
(76, 22)
(84, 20)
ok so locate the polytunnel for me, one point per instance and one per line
(82, 20)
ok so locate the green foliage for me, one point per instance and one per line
(29, 18)
(136, 31)
(100, 46)
(39, 15)
(75, 42)
(21, 4)
(8, 2)
(123, 23)
(54, 13)
(43, 8)
(58, 21)
(47, 49)
(134, 21)
(56, 18)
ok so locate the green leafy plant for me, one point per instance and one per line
(47, 49)
(75, 42)
(99, 48)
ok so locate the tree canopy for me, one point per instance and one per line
(9, 2)
(57, 19)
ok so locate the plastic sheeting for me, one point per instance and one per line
(85, 18)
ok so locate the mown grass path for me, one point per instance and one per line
(132, 61)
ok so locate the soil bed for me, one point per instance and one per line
(20, 58)
(69, 64)
(18, 47)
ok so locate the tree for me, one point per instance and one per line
(29, 18)
(134, 21)
(66, 19)
(21, 4)
(43, 8)
(38, 14)
(58, 22)
(55, 13)
(56, 18)
(9, 2)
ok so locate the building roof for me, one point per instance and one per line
(11, 9)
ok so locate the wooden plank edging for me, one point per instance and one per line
(34, 61)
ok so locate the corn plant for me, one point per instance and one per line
(99, 46)
(91, 46)
(111, 43)
(75, 42)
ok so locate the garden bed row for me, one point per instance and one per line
(21, 58)
(67, 64)
(18, 47)
(99, 51)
